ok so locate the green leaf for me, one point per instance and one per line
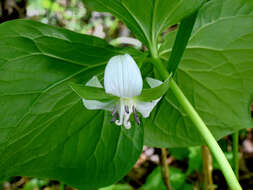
(195, 160)
(91, 93)
(35, 184)
(155, 93)
(179, 153)
(215, 75)
(183, 35)
(45, 131)
(146, 18)
(118, 187)
(155, 181)
(169, 40)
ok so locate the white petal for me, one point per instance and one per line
(153, 82)
(97, 105)
(122, 77)
(145, 108)
(94, 104)
(94, 82)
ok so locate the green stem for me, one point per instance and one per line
(202, 128)
(235, 138)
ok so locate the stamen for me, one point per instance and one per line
(126, 109)
(136, 118)
(114, 117)
(114, 110)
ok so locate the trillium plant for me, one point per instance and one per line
(190, 85)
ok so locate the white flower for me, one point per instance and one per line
(123, 79)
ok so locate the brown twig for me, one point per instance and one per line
(165, 168)
(207, 168)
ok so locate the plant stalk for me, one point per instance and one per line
(235, 139)
(207, 168)
(202, 128)
(165, 168)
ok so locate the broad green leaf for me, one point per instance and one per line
(215, 74)
(215, 10)
(211, 11)
(45, 131)
(154, 93)
(179, 153)
(91, 93)
(146, 18)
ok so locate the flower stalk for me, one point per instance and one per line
(202, 128)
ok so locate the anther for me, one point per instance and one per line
(136, 118)
(126, 109)
(114, 110)
(114, 117)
